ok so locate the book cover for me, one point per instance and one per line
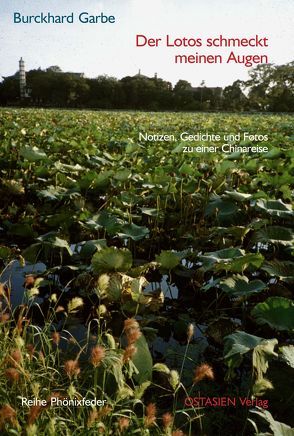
(146, 219)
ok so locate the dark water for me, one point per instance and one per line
(14, 276)
(75, 334)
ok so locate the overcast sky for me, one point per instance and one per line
(110, 48)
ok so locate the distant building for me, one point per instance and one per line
(22, 79)
(57, 69)
(139, 74)
(73, 74)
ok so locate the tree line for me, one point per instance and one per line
(269, 88)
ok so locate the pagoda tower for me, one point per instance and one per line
(22, 78)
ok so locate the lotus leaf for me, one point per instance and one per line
(112, 259)
(277, 312)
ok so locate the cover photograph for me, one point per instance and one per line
(146, 217)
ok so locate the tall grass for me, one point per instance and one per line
(40, 364)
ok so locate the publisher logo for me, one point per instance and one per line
(225, 402)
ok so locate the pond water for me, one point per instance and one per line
(169, 289)
(75, 333)
(14, 275)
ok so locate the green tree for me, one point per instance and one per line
(183, 93)
(270, 87)
(234, 98)
(9, 89)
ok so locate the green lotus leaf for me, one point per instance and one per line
(103, 180)
(238, 196)
(122, 175)
(22, 230)
(275, 208)
(237, 232)
(187, 169)
(238, 265)
(54, 241)
(273, 153)
(32, 154)
(112, 259)
(240, 286)
(52, 193)
(143, 361)
(231, 259)
(65, 168)
(88, 248)
(277, 312)
(262, 353)
(275, 235)
(129, 198)
(168, 259)
(225, 209)
(278, 428)
(284, 270)
(109, 222)
(227, 254)
(150, 211)
(133, 148)
(133, 231)
(240, 343)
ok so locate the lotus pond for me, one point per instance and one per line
(135, 273)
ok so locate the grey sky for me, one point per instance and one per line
(110, 49)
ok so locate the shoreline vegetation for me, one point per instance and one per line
(268, 89)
